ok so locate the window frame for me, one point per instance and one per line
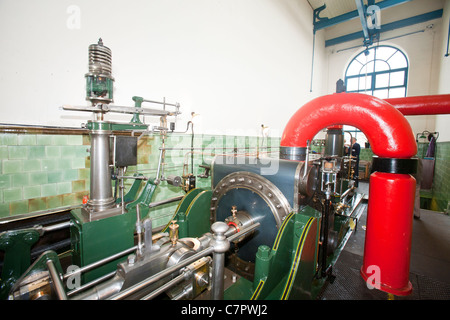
(373, 86)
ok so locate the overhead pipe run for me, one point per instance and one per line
(387, 249)
(422, 105)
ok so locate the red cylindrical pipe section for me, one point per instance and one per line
(387, 247)
(389, 224)
(422, 105)
(387, 130)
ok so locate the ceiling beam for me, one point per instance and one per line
(388, 27)
(322, 23)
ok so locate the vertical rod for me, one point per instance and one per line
(139, 230)
(56, 280)
(148, 235)
(218, 276)
(122, 189)
(448, 39)
(221, 245)
(312, 63)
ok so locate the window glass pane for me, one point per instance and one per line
(361, 58)
(397, 78)
(365, 83)
(397, 93)
(368, 68)
(382, 94)
(352, 84)
(354, 68)
(398, 60)
(381, 65)
(384, 53)
(382, 80)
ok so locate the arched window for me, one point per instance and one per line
(380, 71)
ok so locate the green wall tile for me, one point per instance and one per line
(67, 151)
(64, 164)
(49, 164)
(55, 176)
(38, 178)
(4, 210)
(78, 185)
(78, 163)
(81, 151)
(69, 199)
(37, 204)
(44, 140)
(18, 207)
(85, 174)
(75, 140)
(36, 152)
(70, 175)
(48, 190)
(5, 181)
(60, 140)
(17, 152)
(31, 192)
(53, 151)
(12, 194)
(31, 165)
(20, 179)
(27, 139)
(8, 139)
(3, 152)
(64, 187)
(54, 201)
(12, 166)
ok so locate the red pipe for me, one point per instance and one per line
(387, 130)
(385, 244)
(390, 211)
(422, 105)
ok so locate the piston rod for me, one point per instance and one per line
(56, 280)
(160, 275)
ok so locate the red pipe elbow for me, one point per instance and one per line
(387, 130)
(422, 105)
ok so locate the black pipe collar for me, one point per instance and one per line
(393, 165)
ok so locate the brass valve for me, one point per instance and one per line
(233, 212)
(173, 232)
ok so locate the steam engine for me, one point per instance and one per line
(275, 226)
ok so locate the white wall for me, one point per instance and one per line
(422, 48)
(238, 64)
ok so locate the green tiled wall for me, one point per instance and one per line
(441, 182)
(40, 171)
